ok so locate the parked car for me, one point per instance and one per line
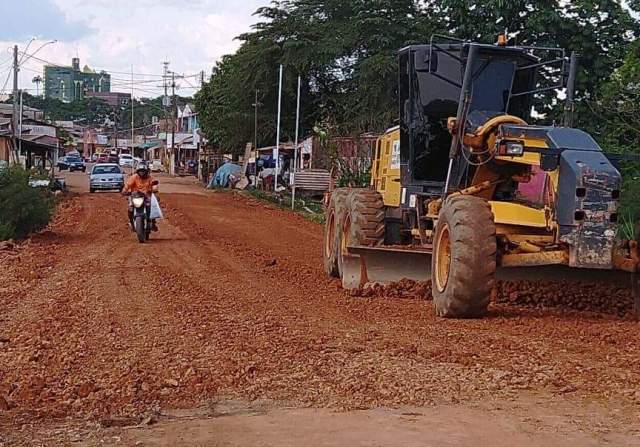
(126, 160)
(62, 163)
(94, 157)
(75, 164)
(106, 176)
(156, 165)
(58, 184)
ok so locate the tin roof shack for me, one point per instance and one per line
(39, 151)
(183, 152)
(6, 109)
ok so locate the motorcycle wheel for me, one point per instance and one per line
(140, 230)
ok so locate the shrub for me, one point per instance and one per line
(629, 211)
(23, 209)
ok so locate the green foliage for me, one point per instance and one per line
(346, 53)
(23, 209)
(87, 111)
(615, 122)
(93, 111)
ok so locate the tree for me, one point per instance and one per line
(346, 53)
(616, 110)
(599, 30)
(86, 111)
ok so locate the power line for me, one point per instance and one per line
(6, 81)
(159, 76)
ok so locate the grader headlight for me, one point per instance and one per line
(512, 148)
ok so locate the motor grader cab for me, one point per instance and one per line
(464, 189)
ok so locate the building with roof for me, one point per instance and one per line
(27, 112)
(70, 84)
(37, 141)
(114, 99)
(187, 119)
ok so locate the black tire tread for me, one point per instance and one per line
(473, 258)
(140, 232)
(366, 209)
(336, 207)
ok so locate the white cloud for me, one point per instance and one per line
(191, 34)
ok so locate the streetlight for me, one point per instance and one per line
(33, 39)
(29, 56)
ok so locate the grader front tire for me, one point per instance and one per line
(464, 258)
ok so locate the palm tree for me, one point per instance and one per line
(37, 80)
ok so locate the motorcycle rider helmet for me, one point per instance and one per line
(142, 170)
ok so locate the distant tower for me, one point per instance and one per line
(75, 63)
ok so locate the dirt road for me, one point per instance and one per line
(227, 312)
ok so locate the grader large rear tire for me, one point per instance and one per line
(464, 258)
(333, 217)
(362, 223)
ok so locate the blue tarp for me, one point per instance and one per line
(221, 178)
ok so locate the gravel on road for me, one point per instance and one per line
(229, 299)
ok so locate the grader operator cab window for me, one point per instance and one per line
(429, 91)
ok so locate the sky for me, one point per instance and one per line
(115, 34)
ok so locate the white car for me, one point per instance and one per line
(126, 160)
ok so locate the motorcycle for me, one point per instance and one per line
(140, 220)
(142, 215)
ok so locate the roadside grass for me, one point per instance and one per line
(311, 210)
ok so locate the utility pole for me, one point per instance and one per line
(173, 121)
(165, 66)
(20, 128)
(276, 151)
(132, 134)
(295, 150)
(14, 116)
(256, 105)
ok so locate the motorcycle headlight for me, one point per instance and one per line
(138, 201)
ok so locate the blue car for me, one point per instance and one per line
(76, 164)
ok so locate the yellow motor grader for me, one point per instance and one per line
(464, 189)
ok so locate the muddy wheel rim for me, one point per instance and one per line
(330, 235)
(443, 258)
(344, 240)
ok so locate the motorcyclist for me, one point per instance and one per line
(142, 181)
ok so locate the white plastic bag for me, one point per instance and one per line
(156, 211)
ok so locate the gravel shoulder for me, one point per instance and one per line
(229, 302)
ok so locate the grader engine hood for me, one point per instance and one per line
(587, 205)
(586, 200)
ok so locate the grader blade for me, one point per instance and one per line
(384, 265)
